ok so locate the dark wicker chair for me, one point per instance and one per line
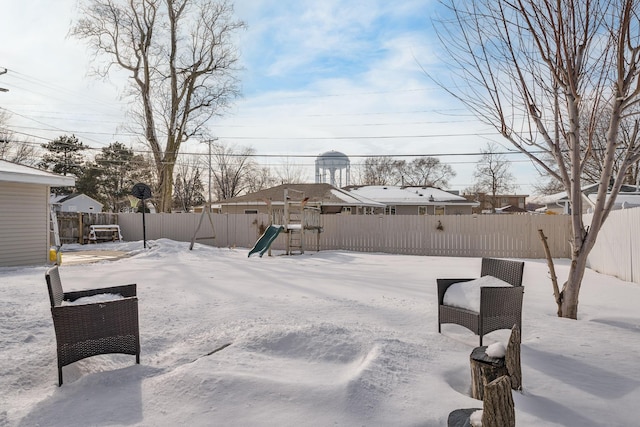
(500, 308)
(87, 330)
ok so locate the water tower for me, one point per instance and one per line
(330, 167)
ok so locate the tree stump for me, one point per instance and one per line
(512, 359)
(498, 408)
(485, 369)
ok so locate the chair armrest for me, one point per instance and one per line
(126, 291)
(501, 301)
(443, 284)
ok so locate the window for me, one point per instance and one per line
(346, 210)
(422, 210)
(365, 210)
(439, 210)
(251, 211)
(390, 210)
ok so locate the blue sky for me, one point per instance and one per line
(317, 76)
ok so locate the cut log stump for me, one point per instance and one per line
(498, 409)
(485, 369)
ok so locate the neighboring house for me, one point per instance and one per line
(487, 203)
(510, 209)
(414, 200)
(24, 213)
(75, 203)
(330, 199)
(558, 203)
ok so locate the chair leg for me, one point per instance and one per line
(59, 375)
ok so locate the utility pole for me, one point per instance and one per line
(209, 142)
(207, 207)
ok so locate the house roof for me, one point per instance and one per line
(510, 209)
(624, 199)
(325, 194)
(59, 199)
(395, 195)
(588, 190)
(13, 172)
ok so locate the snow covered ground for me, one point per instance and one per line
(322, 339)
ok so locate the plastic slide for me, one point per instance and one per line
(266, 239)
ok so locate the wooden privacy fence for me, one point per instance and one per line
(508, 236)
(73, 227)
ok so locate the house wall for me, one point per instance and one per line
(240, 209)
(81, 204)
(24, 224)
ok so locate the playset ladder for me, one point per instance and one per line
(294, 224)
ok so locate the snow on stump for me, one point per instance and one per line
(488, 363)
(497, 410)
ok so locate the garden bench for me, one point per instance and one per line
(89, 329)
(499, 308)
(113, 229)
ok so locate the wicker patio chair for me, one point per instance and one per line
(500, 308)
(86, 330)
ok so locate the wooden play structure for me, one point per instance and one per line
(297, 217)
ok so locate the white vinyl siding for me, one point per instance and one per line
(24, 225)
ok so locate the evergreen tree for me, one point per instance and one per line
(119, 170)
(64, 156)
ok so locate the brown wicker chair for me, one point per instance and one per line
(500, 308)
(87, 330)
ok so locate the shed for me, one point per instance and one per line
(24, 213)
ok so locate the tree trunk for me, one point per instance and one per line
(571, 288)
(166, 188)
(498, 409)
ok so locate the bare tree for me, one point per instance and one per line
(533, 69)
(426, 172)
(13, 149)
(289, 173)
(597, 143)
(182, 63)
(259, 178)
(493, 175)
(379, 171)
(189, 190)
(233, 170)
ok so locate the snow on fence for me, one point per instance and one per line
(507, 236)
